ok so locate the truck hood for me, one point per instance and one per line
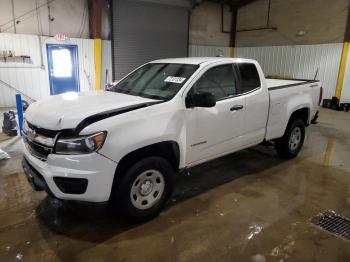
(67, 111)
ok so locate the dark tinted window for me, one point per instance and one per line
(219, 81)
(248, 77)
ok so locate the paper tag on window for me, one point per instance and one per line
(174, 79)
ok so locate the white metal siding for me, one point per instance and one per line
(71, 17)
(345, 94)
(300, 61)
(106, 63)
(32, 78)
(211, 51)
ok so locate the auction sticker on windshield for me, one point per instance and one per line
(174, 79)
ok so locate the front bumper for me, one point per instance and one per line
(89, 176)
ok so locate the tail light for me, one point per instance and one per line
(321, 95)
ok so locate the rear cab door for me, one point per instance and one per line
(252, 86)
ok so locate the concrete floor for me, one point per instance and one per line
(248, 206)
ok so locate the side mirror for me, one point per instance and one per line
(109, 86)
(202, 99)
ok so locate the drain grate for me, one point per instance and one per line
(333, 223)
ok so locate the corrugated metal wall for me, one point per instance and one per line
(345, 94)
(32, 77)
(300, 61)
(145, 31)
(106, 63)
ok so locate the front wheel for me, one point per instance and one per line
(292, 141)
(145, 188)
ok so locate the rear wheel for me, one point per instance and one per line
(292, 141)
(145, 188)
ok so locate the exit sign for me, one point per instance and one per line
(61, 37)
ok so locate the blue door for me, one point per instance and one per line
(63, 68)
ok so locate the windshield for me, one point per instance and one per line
(156, 80)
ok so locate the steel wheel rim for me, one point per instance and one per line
(295, 138)
(147, 189)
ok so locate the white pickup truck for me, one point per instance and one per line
(126, 144)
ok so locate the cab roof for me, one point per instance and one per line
(200, 60)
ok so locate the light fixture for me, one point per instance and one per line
(301, 33)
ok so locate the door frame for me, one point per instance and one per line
(76, 67)
(234, 143)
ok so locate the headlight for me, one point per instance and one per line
(80, 145)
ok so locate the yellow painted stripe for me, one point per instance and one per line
(98, 55)
(232, 52)
(342, 69)
(328, 153)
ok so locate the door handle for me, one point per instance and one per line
(236, 108)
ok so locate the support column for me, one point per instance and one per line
(344, 57)
(98, 59)
(233, 30)
(95, 22)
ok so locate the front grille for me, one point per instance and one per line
(39, 141)
(38, 150)
(333, 223)
(43, 131)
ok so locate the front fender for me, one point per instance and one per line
(140, 128)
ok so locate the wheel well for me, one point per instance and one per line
(302, 114)
(167, 149)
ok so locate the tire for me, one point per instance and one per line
(144, 188)
(290, 144)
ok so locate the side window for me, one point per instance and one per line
(219, 81)
(248, 77)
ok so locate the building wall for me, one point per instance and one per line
(205, 25)
(323, 21)
(106, 63)
(68, 16)
(32, 78)
(345, 95)
(209, 51)
(300, 61)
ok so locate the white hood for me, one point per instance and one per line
(67, 110)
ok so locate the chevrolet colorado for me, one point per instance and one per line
(127, 143)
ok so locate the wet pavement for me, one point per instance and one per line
(248, 206)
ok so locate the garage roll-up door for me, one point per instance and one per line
(147, 30)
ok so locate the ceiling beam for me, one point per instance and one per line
(95, 18)
(235, 5)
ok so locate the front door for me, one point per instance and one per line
(63, 68)
(217, 130)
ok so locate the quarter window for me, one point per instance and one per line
(248, 77)
(219, 81)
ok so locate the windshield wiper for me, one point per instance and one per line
(130, 92)
(123, 91)
(153, 97)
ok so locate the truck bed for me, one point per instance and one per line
(282, 83)
(286, 94)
